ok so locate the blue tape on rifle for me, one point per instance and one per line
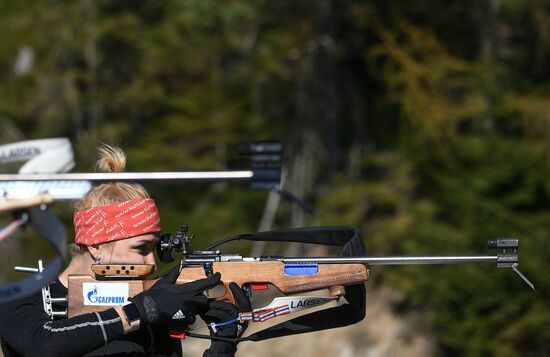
(301, 269)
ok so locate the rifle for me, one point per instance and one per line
(291, 292)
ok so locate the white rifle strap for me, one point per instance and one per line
(41, 156)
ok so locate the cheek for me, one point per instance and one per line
(136, 258)
(130, 258)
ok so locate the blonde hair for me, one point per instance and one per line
(111, 159)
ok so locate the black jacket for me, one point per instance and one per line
(26, 330)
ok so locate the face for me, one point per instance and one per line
(135, 250)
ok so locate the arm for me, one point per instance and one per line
(29, 330)
(125, 324)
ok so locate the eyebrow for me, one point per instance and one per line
(146, 241)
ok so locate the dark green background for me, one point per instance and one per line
(425, 123)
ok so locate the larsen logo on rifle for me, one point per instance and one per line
(309, 302)
(18, 154)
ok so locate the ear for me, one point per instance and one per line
(94, 251)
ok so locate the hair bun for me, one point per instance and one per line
(111, 159)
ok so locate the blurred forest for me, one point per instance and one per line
(424, 123)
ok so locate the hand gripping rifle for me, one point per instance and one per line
(289, 295)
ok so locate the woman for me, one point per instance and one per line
(116, 223)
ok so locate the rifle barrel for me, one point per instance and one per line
(132, 176)
(395, 260)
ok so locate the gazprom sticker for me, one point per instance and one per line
(105, 294)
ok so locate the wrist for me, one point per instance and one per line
(131, 316)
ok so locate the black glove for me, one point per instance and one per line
(221, 311)
(167, 303)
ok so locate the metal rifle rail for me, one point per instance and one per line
(133, 176)
(396, 260)
(71, 186)
(212, 258)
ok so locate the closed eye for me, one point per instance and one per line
(145, 249)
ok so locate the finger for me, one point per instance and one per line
(221, 311)
(242, 301)
(204, 284)
(200, 302)
(169, 277)
(226, 307)
(191, 319)
(217, 316)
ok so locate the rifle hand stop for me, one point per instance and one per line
(509, 257)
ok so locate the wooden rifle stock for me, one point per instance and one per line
(272, 272)
(331, 276)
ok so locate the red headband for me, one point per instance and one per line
(117, 221)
